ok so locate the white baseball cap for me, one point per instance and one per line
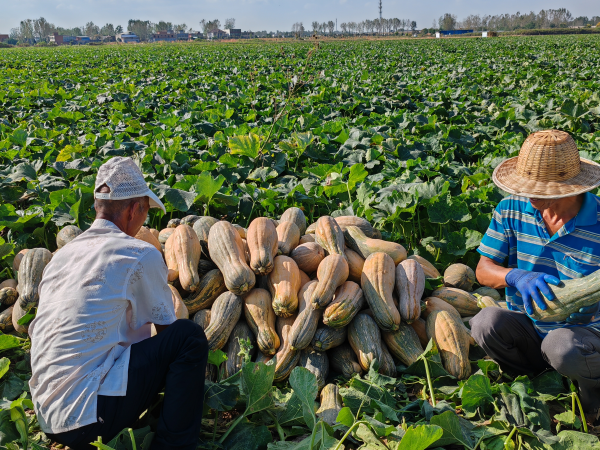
(125, 180)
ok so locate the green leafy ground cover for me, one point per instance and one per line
(405, 134)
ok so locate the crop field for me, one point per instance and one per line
(405, 134)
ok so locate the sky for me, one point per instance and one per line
(271, 15)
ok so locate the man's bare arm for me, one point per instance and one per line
(490, 273)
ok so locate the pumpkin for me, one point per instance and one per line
(332, 273)
(377, 283)
(317, 363)
(66, 235)
(164, 235)
(182, 253)
(6, 324)
(305, 325)
(261, 320)
(355, 265)
(486, 291)
(227, 252)
(18, 258)
(234, 362)
(30, 274)
(303, 278)
(330, 236)
(202, 228)
(210, 287)
(459, 276)
(145, 235)
(364, 225)
(288, 236)
(365, 246)
(295, 215)
(347, 302)
(308, 256)
(331, 404)
(420, 327)
(452, 341)
(428, 268)
(284, 284)
(410, 284)
(8, 296)
(262, 243)
(343, 360)
(465, 303)
(285, 359)
(202, 318)
(174, 223)
(241, 230)
(327, 338)
(306, 238)
(17, 314)
(404, 344)
(224, 315)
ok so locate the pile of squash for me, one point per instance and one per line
(331, 294)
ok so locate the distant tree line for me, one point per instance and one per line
(546, 18)
(384, 26)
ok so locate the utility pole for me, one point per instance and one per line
(336, 24)
(380, 16)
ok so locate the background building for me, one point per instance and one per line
(128, 38)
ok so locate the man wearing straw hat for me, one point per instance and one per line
(548, 230)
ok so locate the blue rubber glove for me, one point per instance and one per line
(530, 284)
(585, 315)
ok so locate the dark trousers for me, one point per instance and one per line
(174, 360)
(510, 339)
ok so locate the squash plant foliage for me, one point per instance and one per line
(404, 133)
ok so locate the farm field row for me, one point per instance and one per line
(404, 134)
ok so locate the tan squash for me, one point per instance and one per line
(182, 253)
(295, 215)
(227, 252)
(347, 302)
(332, 273)
(30, 275)
(355, 265)
(211, 286)
(459, 276)
(181, 311)
(6, 325)
(174, 223)
(154, 232)
(288, 236)
(66, 235)
(11, 283)
(202, 228)
(286, 359)
(284, 284)
(365, 246)
(164, 235)
(420, 327)
(303, 278)
(404, 344)
(437, 304)
(410, 284)
(305, 325)
(485, 291)
(261, 320)
(364, 337)
(308, 256)
(145, 235)
(17, 314)
(241, 230)
(364, 225)
(452, 341)
(306, 238)
(262, 242)
(428, 268)
(331, 404)
(8, 296)
(343, 360)
(202, 318)
(465, 303)
(224, 314)
(330, 236)
(18, 258)
(377, 283)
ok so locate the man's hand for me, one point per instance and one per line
(584, 316)
(530, 284)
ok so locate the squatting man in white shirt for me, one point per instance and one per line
(95, 367)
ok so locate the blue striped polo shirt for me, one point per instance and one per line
(518, 232)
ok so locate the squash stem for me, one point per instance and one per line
(429, 383)
(277, 426)
(312, 438)
(585, 427)
(509, 437)
(232, 426)
(350, 430)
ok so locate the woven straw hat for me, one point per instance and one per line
(548, 166)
